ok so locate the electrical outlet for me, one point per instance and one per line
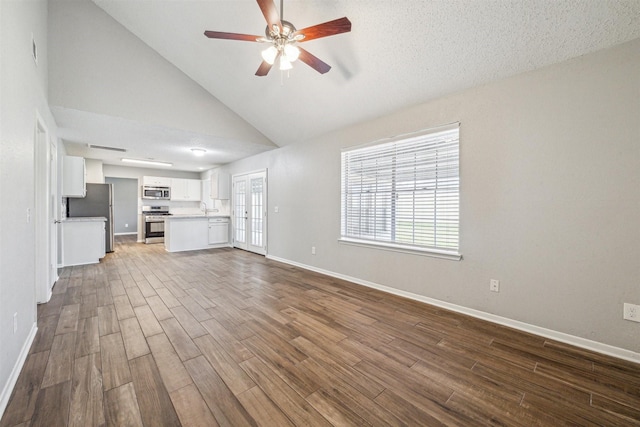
(276, 209)
(28, 215)
(313, 250)
(494, 285)
(15, 322)
(631, 312)
(126, 226)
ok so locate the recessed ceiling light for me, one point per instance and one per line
(147, 162)
(198, 151)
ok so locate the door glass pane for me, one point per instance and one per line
(256, 211)
(240, 211)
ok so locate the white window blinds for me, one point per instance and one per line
(404, 192)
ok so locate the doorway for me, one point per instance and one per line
(125, 205)
(249, 207)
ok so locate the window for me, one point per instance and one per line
(404, 194)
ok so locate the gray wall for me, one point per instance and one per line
(550, 199)
(125, 204)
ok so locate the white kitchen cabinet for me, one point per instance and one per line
(218, 231)
(83, 240)
(220, 188)
(74, 177)
(156, 181)
(186, 189)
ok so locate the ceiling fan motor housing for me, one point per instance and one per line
(274, 33)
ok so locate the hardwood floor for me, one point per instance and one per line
(224, 337)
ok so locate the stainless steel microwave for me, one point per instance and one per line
(156, 193)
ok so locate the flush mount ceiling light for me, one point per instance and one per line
(284, 37)
(199, 152)
(147, 162)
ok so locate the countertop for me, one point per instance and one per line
(194, 216)
(85, 219)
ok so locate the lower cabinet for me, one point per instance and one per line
(218, 230)
(194, 233)
(83, 241)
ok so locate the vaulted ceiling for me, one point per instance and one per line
(140, 75)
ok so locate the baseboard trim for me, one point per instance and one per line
(584, 343)
(125, 234)
(15, 372)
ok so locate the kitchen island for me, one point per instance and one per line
(195, 232)
(83, 240)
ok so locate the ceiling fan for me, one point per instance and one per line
(284, 39)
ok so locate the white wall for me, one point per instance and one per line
(100, 67)
(550, 200)
(23, 90)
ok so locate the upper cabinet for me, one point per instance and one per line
(74, 177)
(219, 185)
(156, 181)
(186, 189)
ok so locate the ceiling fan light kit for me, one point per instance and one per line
(284, 37)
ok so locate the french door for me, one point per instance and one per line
(249, 203)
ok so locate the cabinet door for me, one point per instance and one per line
(218, 232)
(185, 189)
(194, 187)
(156, 181)
(178, 189)
(73, 177)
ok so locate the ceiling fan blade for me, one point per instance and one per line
(264, 69)
(330, 28)
(313, 61)
(270, 12)
(231, 36)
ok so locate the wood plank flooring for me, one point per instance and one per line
(227, 338)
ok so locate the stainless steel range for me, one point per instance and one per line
(154, 223)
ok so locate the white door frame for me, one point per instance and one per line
(54, 214)
(248, 216)
(43, 212)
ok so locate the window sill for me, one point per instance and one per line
(453, 256)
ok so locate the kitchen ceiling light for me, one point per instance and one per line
(199, 152)
(147, 162)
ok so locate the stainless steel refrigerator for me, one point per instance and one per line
(97, 202)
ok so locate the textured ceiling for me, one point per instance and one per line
(399, 53)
